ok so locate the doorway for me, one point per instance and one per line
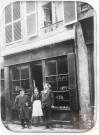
(37, 76)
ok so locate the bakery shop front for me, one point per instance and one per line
(55, 64)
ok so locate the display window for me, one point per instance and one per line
(60, 73)
(20, 78)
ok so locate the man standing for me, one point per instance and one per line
(47, 103)
(22, 101)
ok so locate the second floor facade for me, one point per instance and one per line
(33, 24)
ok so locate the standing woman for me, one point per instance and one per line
(37, 109)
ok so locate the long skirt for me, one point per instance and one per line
(37, 109)
(37, 113)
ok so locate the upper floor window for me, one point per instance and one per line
(31, 18)
(56, 12)
(20, 21)
(47, 14)
(12, 22)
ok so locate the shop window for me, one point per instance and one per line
(20, 78)
(50, 68)
(60, 73)
(12, 23)
(31, 18)
(57, 76)
(24, 72)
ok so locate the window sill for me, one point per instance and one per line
(57, 108)
(11, 43)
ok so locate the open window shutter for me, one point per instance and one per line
(31, 18)
(72, 81)
(70, 14)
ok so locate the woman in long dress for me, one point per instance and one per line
(36, 109)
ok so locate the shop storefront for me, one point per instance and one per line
(54, 64)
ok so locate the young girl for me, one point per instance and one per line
(37, 109)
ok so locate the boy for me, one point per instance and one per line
(22, 101)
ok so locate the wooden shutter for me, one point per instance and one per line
(70, 13)
(31, 18)
(72, 81)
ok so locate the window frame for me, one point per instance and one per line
(12, 24)
(58, 92)
(28, 14)
(71, 22)
(20, 78)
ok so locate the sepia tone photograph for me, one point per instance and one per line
(47, 66)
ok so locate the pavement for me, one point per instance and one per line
(40, 129)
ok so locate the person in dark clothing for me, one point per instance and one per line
(47, 103)
(22, 102)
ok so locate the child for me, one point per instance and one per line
(47, 103)
(37, 109)
(22, 101)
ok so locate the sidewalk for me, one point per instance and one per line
(18, 128)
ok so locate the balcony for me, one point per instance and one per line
(51, 27)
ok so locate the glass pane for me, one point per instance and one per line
(53, 86)
(31, 24)
(30, 6)
(17, 30)
(8, 17)
(2, 87)
(69, 11)
(63, 95)
(64, 104)
(52, 78)
(50, 68)
(25, 84)
(16, 10)
(55, 103)
(24, 72)
(16, 86)
(8, 33)
(48, 15)
(2, 73)
(62, 66)
(63, 86)
(16, 73)
(62, 78)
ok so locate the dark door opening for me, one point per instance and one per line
(37, 77)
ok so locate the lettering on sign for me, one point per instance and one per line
(34, 56)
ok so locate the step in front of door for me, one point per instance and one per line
(62, 124)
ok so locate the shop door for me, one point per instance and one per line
(37, 77)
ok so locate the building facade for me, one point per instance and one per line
(49, 42)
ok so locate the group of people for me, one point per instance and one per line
(36, 110)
